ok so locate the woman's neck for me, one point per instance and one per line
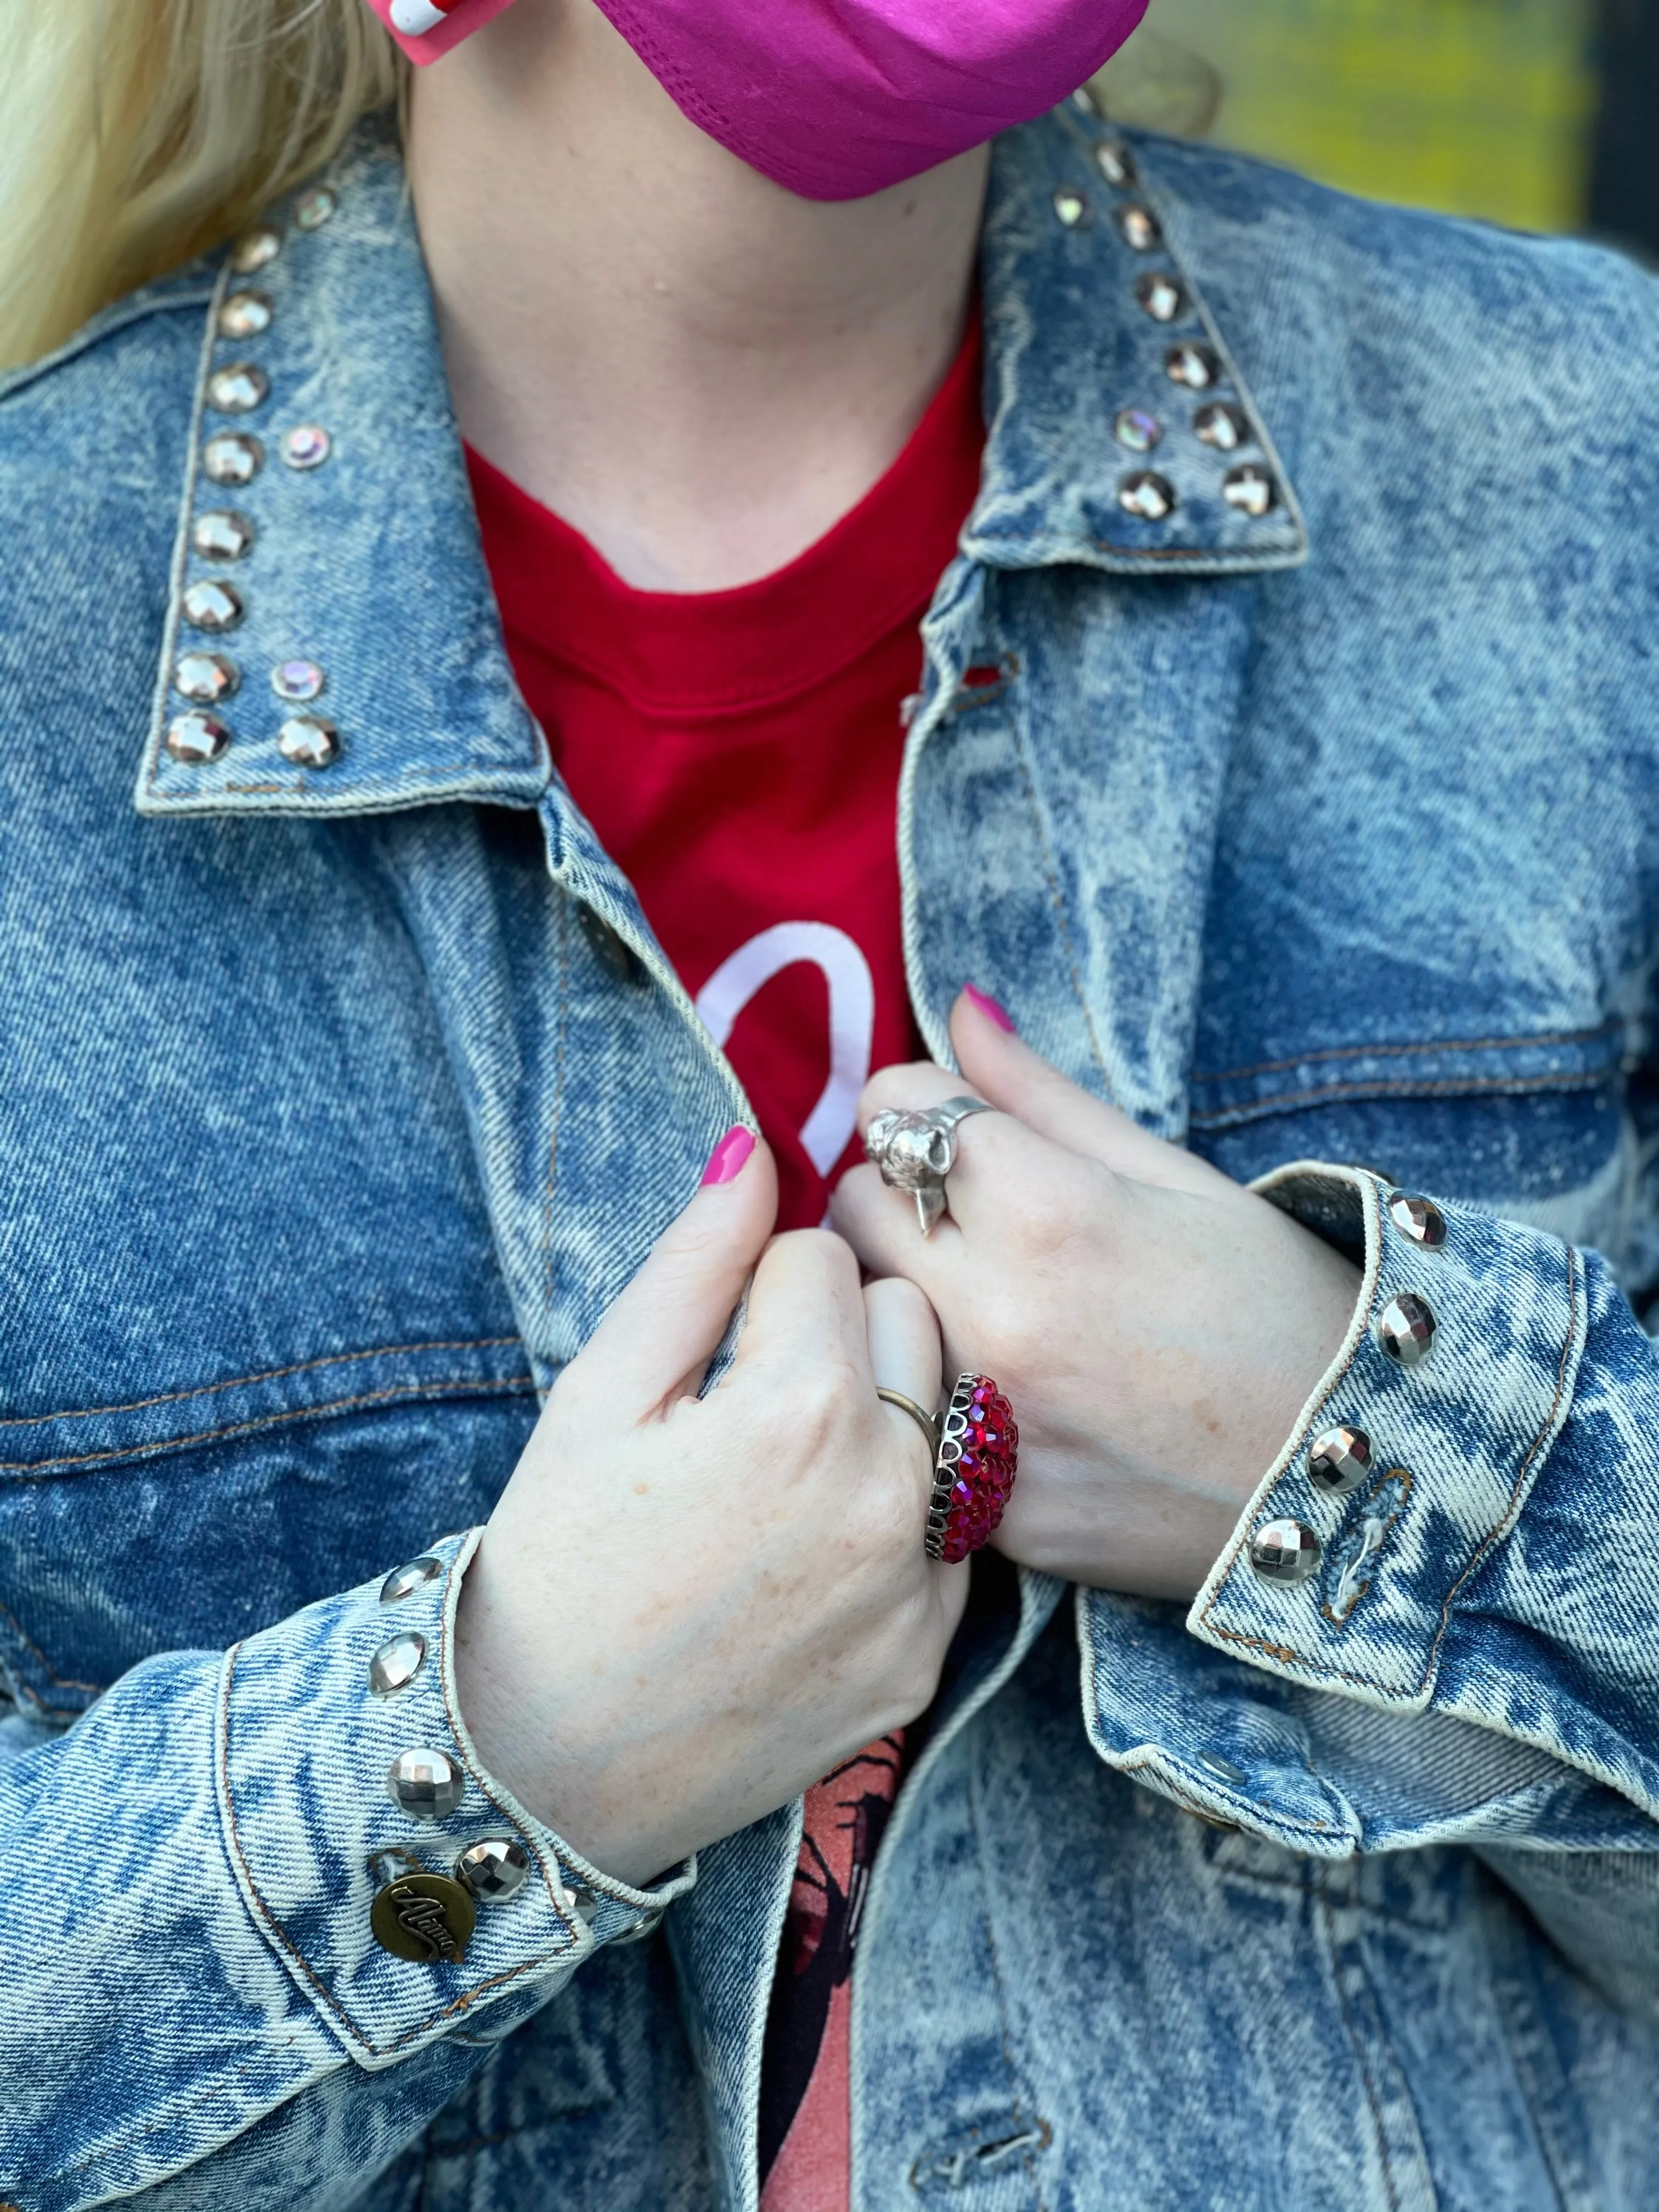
(697, 370)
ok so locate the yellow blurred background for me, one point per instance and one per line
(1483, 107)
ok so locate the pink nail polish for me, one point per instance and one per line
(725, 1161)
(988, 1007)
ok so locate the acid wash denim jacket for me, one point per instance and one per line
(1295, 782)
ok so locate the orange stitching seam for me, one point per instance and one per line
(1458, 1085)
(468, 1387)
(1403, 1051)
(264, 1374)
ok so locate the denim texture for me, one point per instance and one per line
(339, 1104)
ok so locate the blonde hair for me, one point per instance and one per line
(134, 134)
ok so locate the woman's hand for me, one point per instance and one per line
(685, 1612)
(1157, 1328)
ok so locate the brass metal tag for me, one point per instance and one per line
(424, 1917)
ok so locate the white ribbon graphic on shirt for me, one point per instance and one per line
(852, 1018)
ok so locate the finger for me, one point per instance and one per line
(905, 1355)
(880, 1226)
(665, 1326)
(1000, 1161)
(805, 1308)
(1000, 1065)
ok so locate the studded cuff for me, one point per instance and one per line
(402, 1886)
(1414, 1458)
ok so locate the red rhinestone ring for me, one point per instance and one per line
(974, 1474)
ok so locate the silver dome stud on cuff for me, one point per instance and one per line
(245, 315)
(404, 1581)
(1419, 1219)
(1160, 295)
(314, 208)
(195, 738)
(1406, 1329)
(298, 680)
(1251, 489)
(1148, 496)
(222, 534)
(307, 445)
(1137, 429)
(308, 741)
(495, 1869)
(234, 457)
(1339, 1460)
(1222, 425)
(256, 249)
(1071, 207)
(1138, 227)
(239, 389)
(428, 1785)
(212, 605)
(205, 678)
(1284, 1552)
(1197, 367)
(396, 1662)
(1115, 163)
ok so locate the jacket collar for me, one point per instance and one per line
(366, 563)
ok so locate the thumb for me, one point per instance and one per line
(656, 1340)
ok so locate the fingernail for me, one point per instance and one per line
(988, 1007)
(725, 1161)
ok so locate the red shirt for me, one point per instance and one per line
(737, 753)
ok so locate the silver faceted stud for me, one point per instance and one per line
(1251, 489)
(307, 741)
(1071, 207)
(1138, 227)
(1222, 425)
(314, 208)
(196, 738)
(212, 605)
(1197, 367)
(1419, 1219)
(245, 315)
(1406, 1329)
(393, 1863)
(223, 534)
(428, 1784)
(233, 458)
(1339, 1460)
(1161, 295)
(239, 389)
(1147, 495)
(1115, 163)
(397, 1663)
(586, 1904)
(300, 680)
(256, 249)
(1284, 1552)
(404, 1581)
(494, 1869)
(205, 678)
(307, 445)
(1223, 1769)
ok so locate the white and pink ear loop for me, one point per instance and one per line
(415, 18)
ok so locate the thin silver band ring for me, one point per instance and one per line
(927, 1423)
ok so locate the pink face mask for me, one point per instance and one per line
(837, 98)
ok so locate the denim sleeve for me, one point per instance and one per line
(1470, 1659)
(192, 1993)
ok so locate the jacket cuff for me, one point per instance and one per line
(306, 1738)
(1457, 1372)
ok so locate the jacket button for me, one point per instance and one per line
(397, 1663)
(196, 738)
(1284, 1552)
(1339, 1460)
(1406, 1329)
(618, 957)
(1419, 1219)
(428, 1784)
(426, 1917)
(404, 1581)
(495, 1869)
(205, 678)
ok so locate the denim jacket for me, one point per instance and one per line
(1294, 782)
